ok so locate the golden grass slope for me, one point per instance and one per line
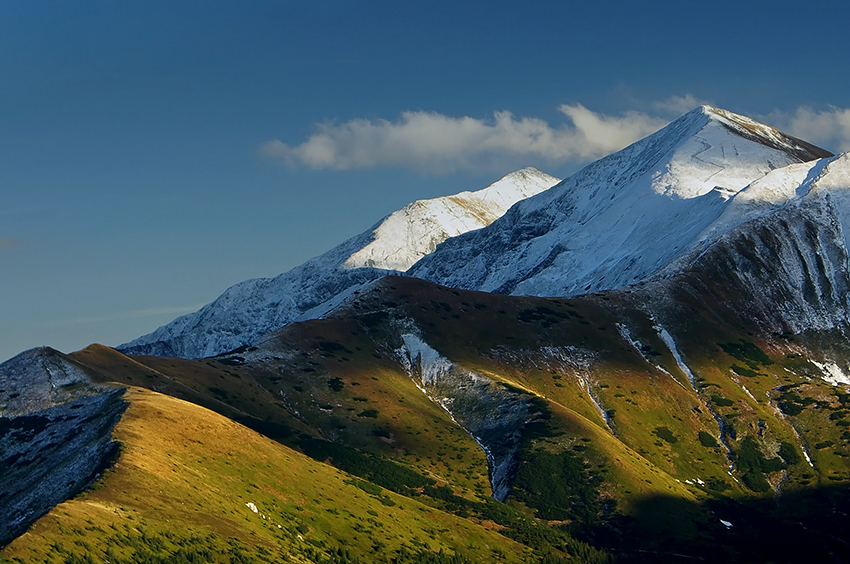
(189, 480)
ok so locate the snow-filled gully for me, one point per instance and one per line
(636, 345)
(680, 362)
(495, 417)
(585, 381)
(665, 336)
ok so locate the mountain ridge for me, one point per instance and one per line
(614, 223)
(249, 309)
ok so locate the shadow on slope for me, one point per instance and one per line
(803, 526)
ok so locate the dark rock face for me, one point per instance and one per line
(51, 455)
(494, 414)
(55, 434)
(38, 379)
(788, 271)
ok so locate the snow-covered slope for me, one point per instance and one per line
(622, 218)
(414, 231)
(782, 247)
(252, 308)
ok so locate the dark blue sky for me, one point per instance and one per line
(134, 183)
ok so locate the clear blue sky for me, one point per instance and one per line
(154, 153)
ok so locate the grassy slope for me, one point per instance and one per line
(294, 403)
(654, 443)
(185, 476)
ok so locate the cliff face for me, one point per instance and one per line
(55, 435)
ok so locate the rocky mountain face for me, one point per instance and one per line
(252, 308)
(55, 425)
(779, 251)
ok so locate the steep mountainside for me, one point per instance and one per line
(192, 486)
(54, 434)
(621, 218)
(255, 307)
(780, 251)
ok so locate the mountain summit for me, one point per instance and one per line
(414, 231)
(623, 217)
(253, 308)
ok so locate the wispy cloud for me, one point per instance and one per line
(131, 314)
(433, 142)
(829, 128)
(11, 243)
(436, 143)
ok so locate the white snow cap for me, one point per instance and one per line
(407, 235)
(250, 309)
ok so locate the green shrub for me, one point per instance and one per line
(789, 408)
(707, 440)
(746, 352)
(720, 401)
(744, 371)
(756, 481)
(789, 453)
(367, 487)
(753, 465)
(666, 434)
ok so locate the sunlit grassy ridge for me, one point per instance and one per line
(189, 481)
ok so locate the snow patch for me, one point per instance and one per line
(432, 365)
(833, 373)
(638, 347)
(674, 350)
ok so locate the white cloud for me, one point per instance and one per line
(432, 142)
(678, 105)
(828, 128)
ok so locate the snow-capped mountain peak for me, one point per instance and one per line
(407, 235)
(623, 217)
(616, 222)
